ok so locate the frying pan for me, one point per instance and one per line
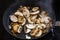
(44, 5)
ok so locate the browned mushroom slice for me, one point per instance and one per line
(34, 31)
(16, 28)
(41, 26)
(39, 33)
(24, 21)
(21, 20)
(29, 20)
(32, 19)
(38, 21)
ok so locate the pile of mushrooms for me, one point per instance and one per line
(34, 21)
(17, 21)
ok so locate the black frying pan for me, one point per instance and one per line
(44, 5)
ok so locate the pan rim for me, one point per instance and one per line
(10, 32)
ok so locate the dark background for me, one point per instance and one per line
(4, 4)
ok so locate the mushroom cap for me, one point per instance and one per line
(13, 18)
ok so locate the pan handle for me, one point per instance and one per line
(57, 23)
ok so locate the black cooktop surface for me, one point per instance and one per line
(55, 35)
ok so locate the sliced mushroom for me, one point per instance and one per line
(15, 27)
(13, 18)
(26, 12)
(24, 21)
(35, 8)
(28, 30)
(44, 17)
(36, 12)
(29, 20)
(19, 29)
(34, 31)
(18, 13)
(21, 20)
(47, 19)
(30, 26)
(32, 19)
(41, 26)
(39, 33)
(37, 21)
